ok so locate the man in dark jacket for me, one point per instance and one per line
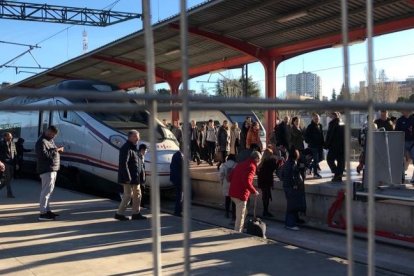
(223, 140)
(130, 172)
(282, 134)
(176, 130)
(195, 142)
(8, 156)
(48, 164)
(406, 124)
(176, 177)
(335, 145)
(384, 121)
(315, 140)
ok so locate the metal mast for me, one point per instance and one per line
(60, 14)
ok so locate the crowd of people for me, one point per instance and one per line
(213, 143)
(239, 155)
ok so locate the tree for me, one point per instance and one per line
(341, 95)
(234, 88)
(204, 91)
(333, 95)
(401, 100)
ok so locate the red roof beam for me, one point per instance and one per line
(209, 67)
(159, 73)
(329, 41)
(236, 44)
(137, 83)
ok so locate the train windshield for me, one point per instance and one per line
(138, 120)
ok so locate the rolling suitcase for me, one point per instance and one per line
(255, 226)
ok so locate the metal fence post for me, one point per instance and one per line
(369, 143)
(186, 139)
(155, 197)
(349, 220)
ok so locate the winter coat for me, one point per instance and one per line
(234, 139)
(291, 176)
(314, 135)
(294, 187)
(253, 137)
(265, 173)
(130, 165)
(282, 135)
(176, 169)
(241, 180)
(223, 139)
(296, 138)
(335, 137)
(211, 134)
(48, 157)
(178, 133)
(225, 170)
(406, 125)
(8, 155)
(387, 124)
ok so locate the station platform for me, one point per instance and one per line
(86, 240)
(393, 217)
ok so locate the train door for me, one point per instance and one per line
(45, 120)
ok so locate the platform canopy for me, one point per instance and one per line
(226, 34)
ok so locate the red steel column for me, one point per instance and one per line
(270, 92)
(174, 86)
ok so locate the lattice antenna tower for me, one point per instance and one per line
(84, 41)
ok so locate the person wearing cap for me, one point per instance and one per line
(334, 143)
(241, 185)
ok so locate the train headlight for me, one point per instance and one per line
(117, 140)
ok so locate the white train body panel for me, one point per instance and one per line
(87, 141)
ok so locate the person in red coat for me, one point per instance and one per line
(241, 185)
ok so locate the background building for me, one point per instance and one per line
(304, 84)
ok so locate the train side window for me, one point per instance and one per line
(70, 116)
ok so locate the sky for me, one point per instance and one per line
(60, 42)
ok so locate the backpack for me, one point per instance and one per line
(229, 172)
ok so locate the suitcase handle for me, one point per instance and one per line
(255, 205)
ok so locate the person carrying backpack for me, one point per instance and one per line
(224, 174)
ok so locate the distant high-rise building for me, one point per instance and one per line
(303, 84)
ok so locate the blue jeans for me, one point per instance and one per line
(316, 159)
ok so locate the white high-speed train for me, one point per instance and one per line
(91, 139)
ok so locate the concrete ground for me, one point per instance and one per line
(86, 240)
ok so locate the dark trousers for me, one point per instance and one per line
(336, 162)
(7, 178)
(292, 216)
(195, 152)
(223, 156)
(316, 159)
(228, 202)
(178, 200)
(266, 196)
(211, 150)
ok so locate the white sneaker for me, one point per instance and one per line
(293, 228)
